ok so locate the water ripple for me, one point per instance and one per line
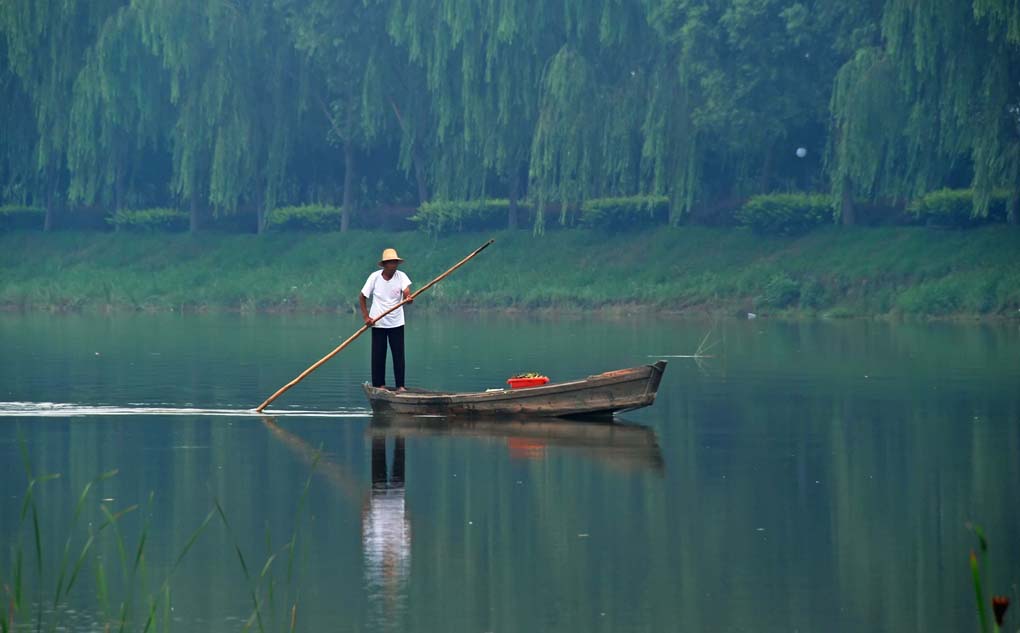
(66, 409)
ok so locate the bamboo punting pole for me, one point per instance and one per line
(362, 329)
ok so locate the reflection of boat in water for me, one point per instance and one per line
(614, 443)
(602, 394)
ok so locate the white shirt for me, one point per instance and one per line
(384, 295)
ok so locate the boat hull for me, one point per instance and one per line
(599, 395)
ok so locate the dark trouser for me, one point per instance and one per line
(380, 335)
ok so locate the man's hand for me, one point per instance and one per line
(369, 321)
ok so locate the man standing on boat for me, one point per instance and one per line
(386, 288)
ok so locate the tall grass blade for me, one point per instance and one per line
(145, 533)
(27, 503)
(88, 545)
(191, 541)
(102, 593)
(78, 564)
(18, 579)
(118, 539)
(230, 532)
(70, 531)
(978, 593)
(257, 614)
(38, 539)
(123, 616)
(166, 609)
(152, 615)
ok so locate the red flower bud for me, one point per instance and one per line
(999, 606)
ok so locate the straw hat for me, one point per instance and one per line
(390, 254)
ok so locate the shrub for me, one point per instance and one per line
(955, 208)
(445, 216)
(310, 217)
(145, 220)
(19, 217)
(786, 213)
(813, 294)
(625, 213)
(780, 292)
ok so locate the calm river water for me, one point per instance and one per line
(806, 477)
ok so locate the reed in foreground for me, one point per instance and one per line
(43, 591)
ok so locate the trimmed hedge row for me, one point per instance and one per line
(150, 220)
(447, 216)
(309, 217)
(786, 213)
(21, 217)
(779, 214)
(955, 208)
(625, 213)
(615, 213)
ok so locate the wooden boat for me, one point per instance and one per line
(599, 395)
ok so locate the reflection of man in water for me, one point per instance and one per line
(386, 534)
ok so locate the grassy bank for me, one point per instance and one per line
(833, 271)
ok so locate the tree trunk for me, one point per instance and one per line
(345, 213)
(118, 189)
(419, 174)
(515, 185)
(49, 220)
(765, 178)
(193, 216)
(260, 212)
(847, 213)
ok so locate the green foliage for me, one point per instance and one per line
(625, 213)
(957, 65)
(150, 220)
(241, 107)
(447, 216)
(780, 292)
(957, 208)
(786, 213)
(310, 217)
(18, 217)
(836, 270)
(813, 294)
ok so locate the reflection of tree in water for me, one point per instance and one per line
(386, 535)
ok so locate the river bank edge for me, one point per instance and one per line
(837, 272)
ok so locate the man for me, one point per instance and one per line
(386, 288)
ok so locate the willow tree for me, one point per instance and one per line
(235, 85)
(738, 86)
(352, 62)
(47, 41)
(588, 139)
(941, 95)
(17, 134)
(869, 150)
(566, 141)
(482, 65)
(120, 119)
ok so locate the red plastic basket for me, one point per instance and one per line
(517, 383)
